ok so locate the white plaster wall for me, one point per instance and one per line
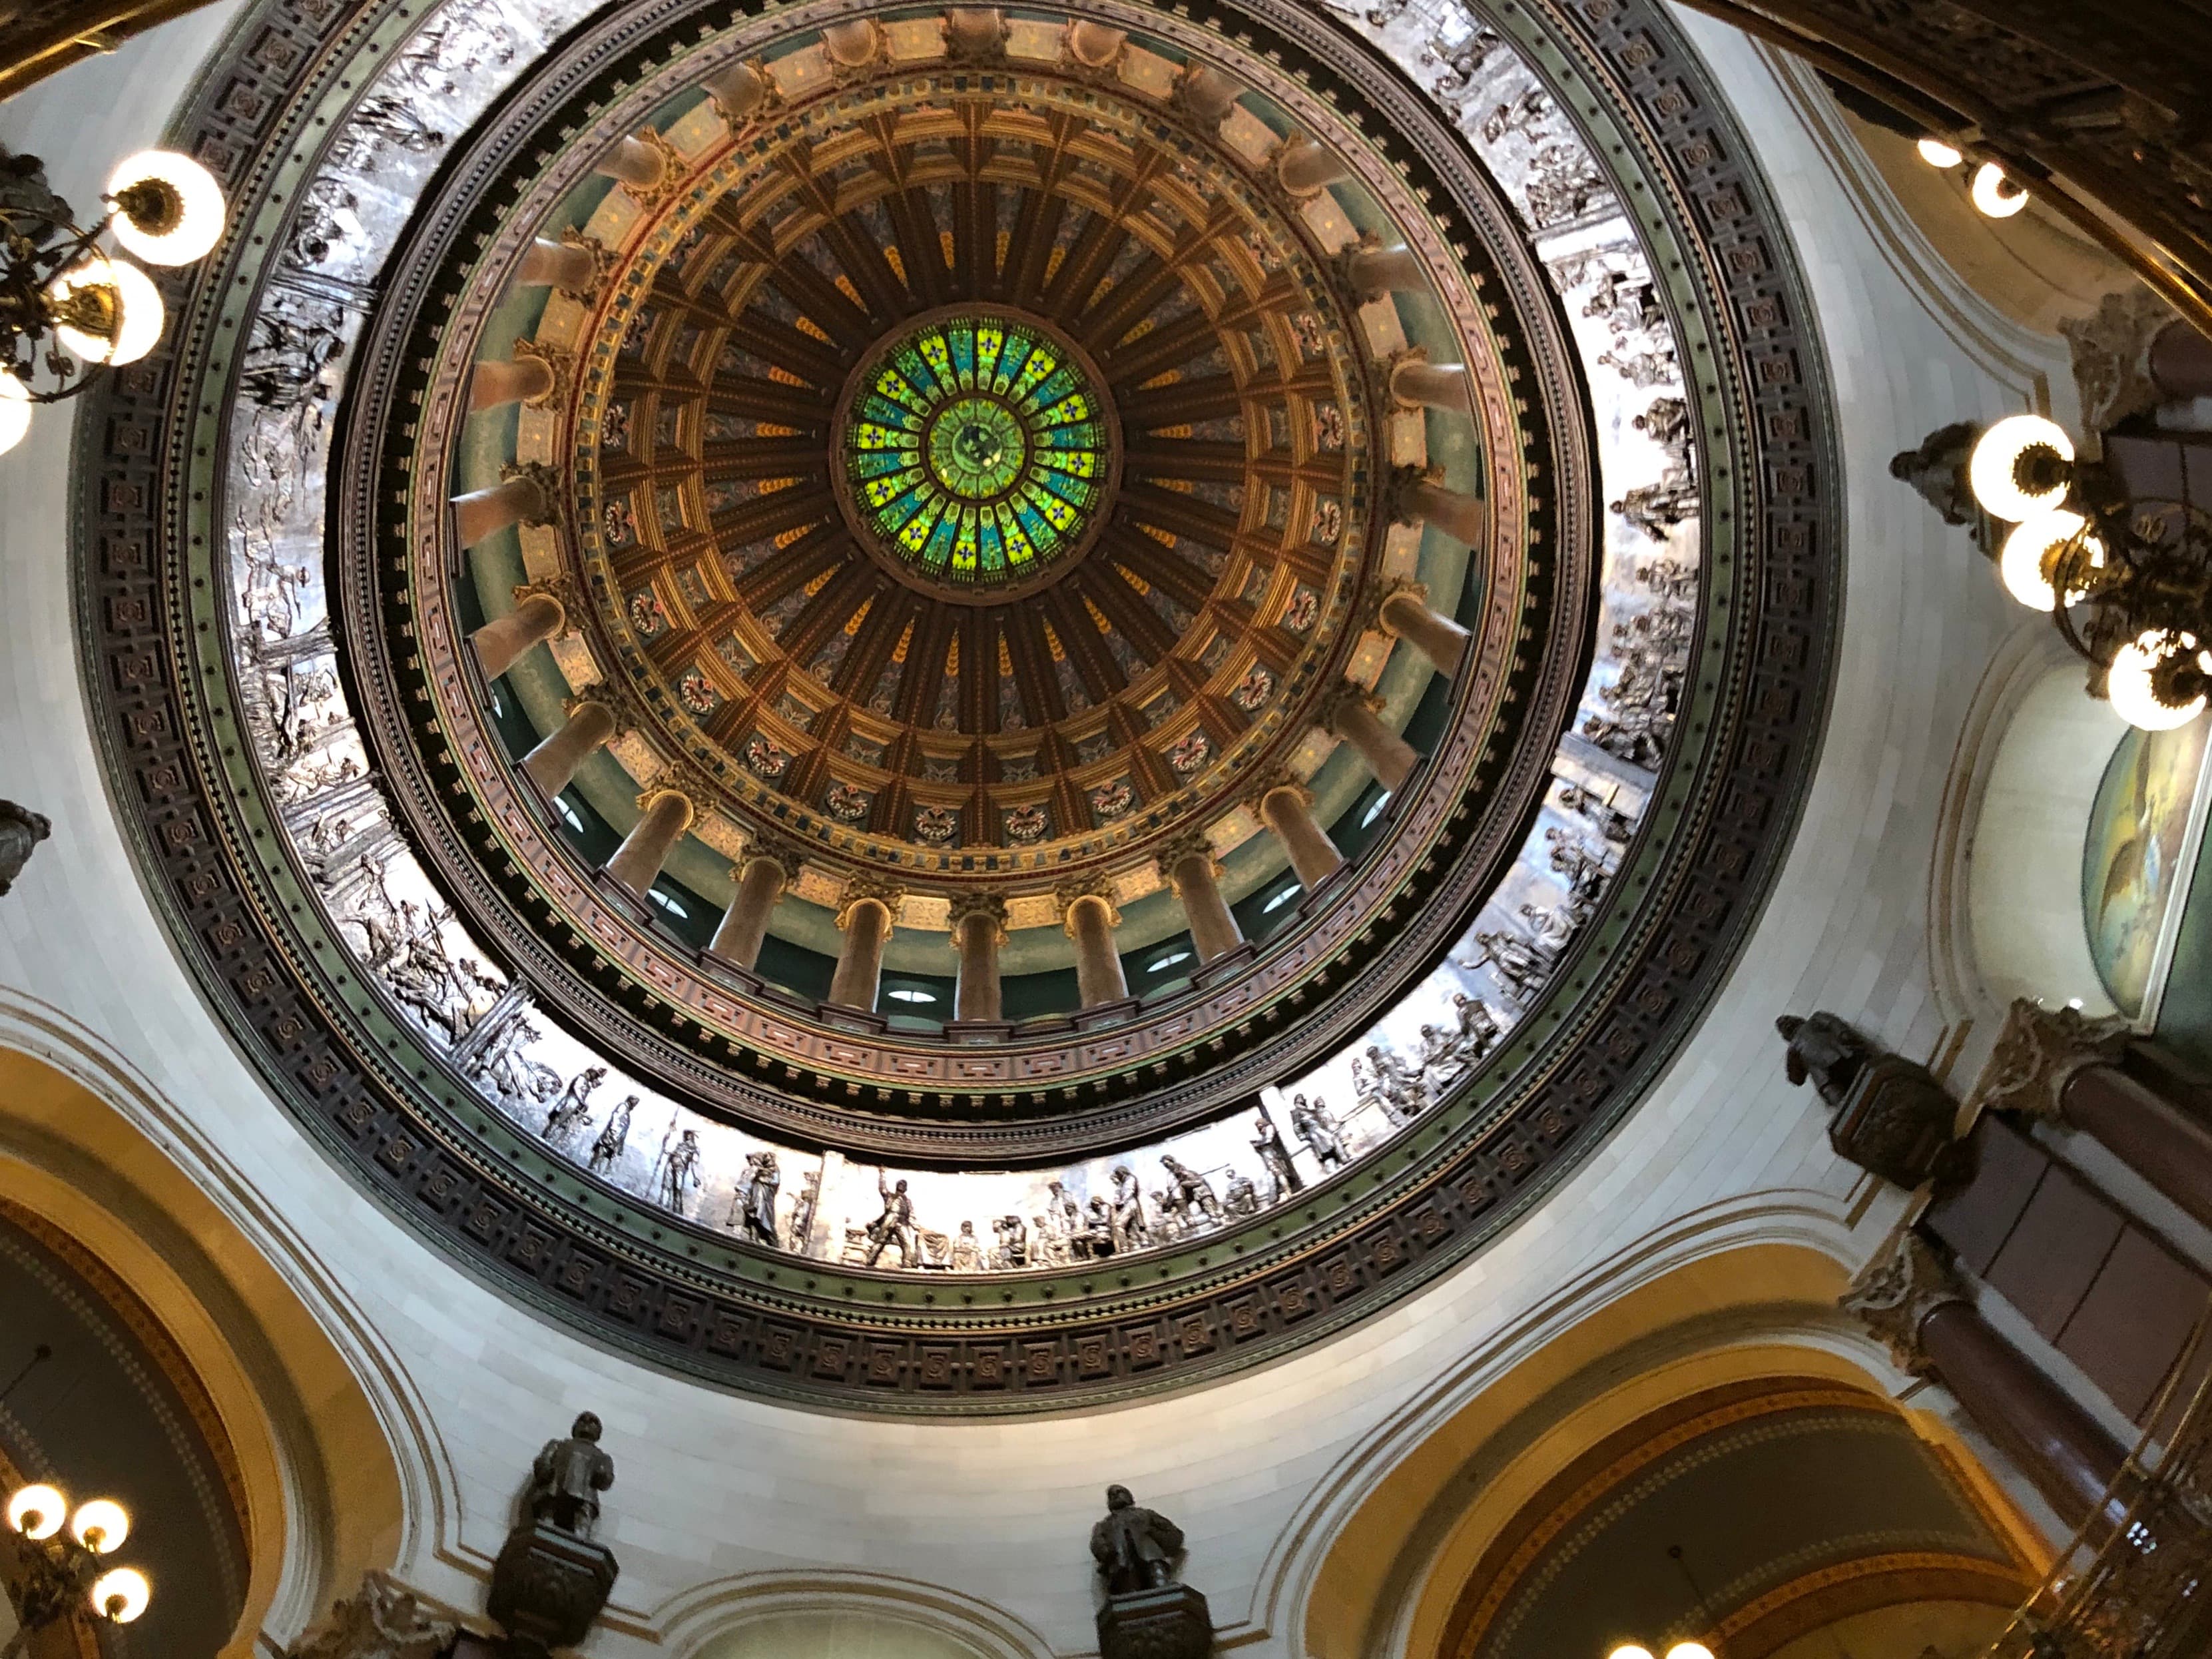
(716, 1492)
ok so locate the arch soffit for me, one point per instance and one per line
(326, 1496)
(714, 1621)
(1389, 1572)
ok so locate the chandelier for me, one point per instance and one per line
(2127, 582)
(60, 1575)
(69, 305)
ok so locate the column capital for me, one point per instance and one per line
(560, 588)
(854, 46)
(966, 904)
(384, 1617)
(975, 34)
(602, 262)
(1206, 95)
(673, 167)
(545, 482)
(1275, 778)
(597, 696)
(1075, 889)
(2112, 357)
(1343, 694)
(1398, 489)
(1093, 49)
(560, 362)
(2038, 1053)
(670, 787)
(1893, 1294)
(1382, 590)
(869, 888)
(743, 93)
(1385, 374)
(1181, 849)
(786, 855)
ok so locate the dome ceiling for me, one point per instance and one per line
(1209, 537)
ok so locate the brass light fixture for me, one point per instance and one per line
(2128, 582)
(69, 305)
(62, 1574)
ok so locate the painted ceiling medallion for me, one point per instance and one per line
(977, 452)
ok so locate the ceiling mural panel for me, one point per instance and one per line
(954, 466)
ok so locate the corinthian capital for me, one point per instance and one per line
(385, 1620)
(1895, 1293)
(2038, 1053)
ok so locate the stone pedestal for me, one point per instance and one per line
(1895, 1123)
(1172, 1622)
(547, 1587)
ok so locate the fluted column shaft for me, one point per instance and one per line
(1432, 385)
(1213, 929)
(976, 995)
(2169, 1147)
(483, 512)
(1098, 975)
(552, 764)
(1388, 757)
(1439, 639)
(636, 863)
(500, 643)
(1463, 517)
(744, 927)
(494, 385)
(2067, 1453)
(557, 265)
(1372, 272)
(1287, 812)
(867, 926)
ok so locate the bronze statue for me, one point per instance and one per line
(1937, 472)
(567, 1478)
(1135, 1549)
(21, 829)
(1825, 1051)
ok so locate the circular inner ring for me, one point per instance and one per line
(975, 453)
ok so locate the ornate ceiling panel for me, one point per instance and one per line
(967, 464)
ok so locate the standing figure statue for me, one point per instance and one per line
(1191, 1189)
(567, 1478)
(802, 1211)
(1135, 1549)
(21, 830)
(752, 1206)
(570, 1115)
(1131, 1232)
(894, 1225)
(607, 1150)
(1275, 1157)
(679, 1175)
(1937, 472)
(1824, 1051)
(1311, 1122)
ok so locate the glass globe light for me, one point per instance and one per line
(2129, 685)
(14, 411)
(1689, 1650)
(37, 1511)
(1995, 195)
(121, 1594)
(2021, 467)
(1937, 153)
(100, 1526)
(2030, 552)
(170, 210)
(1630, 1651)
(138, 316)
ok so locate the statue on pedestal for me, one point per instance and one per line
(1135, 1549)
(1890, 1115)
(567, 1478)
(1149, 1613)
(552, 1577)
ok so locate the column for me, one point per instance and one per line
(1371, 270)
(1188, 864)
(1284, 805)
(528, 494)
(852, 44)
(978, 929)
(1912, 1300)
(2181, 360)
(1088, 912)
(2169, 1147)
(973, 33)
(571, 267)
(540, 614)
(740, 92)
(1416, 498)
(1417, 383)
(1094, 45)
(521, 380)
(636, 162)
(552, 764)
(768, 870)
(1348, 711)
(865, 918)
(637, 862)
(1205, 94)
(1304, 168)
(1401, 611)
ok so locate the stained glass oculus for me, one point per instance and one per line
(977, 450)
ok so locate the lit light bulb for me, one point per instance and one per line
(1630, 1651)
(2026, 563)
(171, 210)
(14, 411)
(121, 1594)
(1995, 195)
(1993, 471)
(100, 1526)
(137, 314)
(37, 1511)
(2128, 684)
(1689, 1650)
(1937, 153)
